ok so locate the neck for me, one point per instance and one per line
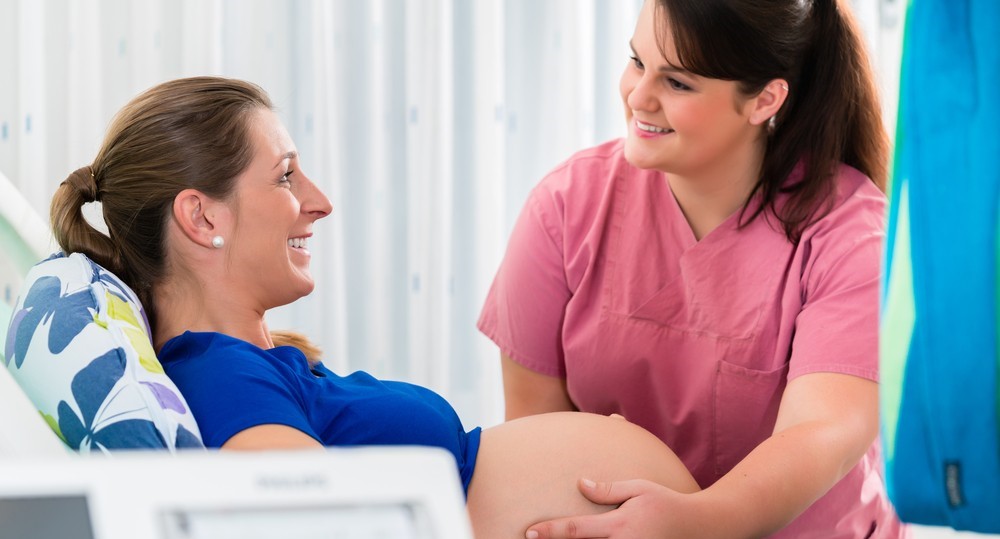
(710, 195)
(192, 306)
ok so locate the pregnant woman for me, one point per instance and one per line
(209, 216)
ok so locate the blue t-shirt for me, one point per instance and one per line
(232, 385)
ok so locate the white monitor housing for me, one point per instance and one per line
(359, 493)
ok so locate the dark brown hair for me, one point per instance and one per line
(185, 133)
(832, 113)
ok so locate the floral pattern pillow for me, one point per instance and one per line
(78, 344)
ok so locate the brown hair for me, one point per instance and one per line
(832, 113)
(185, 133)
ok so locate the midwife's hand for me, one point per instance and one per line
(647, 510)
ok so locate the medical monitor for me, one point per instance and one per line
(360, 493)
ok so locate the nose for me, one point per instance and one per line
(637, 91)
(312, 200)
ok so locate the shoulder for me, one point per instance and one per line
(605, 156)
(856, 209)
(186, 346)
(847, 240)
(206, 351)
(190, 344)
(582, 188)
(588, 170)
(856, 192)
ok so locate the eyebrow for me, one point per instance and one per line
(667, 68)
(289, 155)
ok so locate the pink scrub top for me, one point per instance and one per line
(604, 284)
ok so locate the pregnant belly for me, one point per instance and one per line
(527, 469)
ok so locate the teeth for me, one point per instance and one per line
(298, 243)
(651, 128)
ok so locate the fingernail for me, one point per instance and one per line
(589, 484)
(531, 534)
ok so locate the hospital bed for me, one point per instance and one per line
(24, 240)
(48, 491)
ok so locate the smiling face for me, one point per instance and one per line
(275, 206)
(679, 122)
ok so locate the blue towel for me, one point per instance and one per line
(941, 413)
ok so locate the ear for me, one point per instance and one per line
(198, 216)
(769, 101)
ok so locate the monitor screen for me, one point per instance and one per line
(45, 517)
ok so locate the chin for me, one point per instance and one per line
(642, 157)
(292, 297)
(305, 289)
(303, 279)
(302, 287)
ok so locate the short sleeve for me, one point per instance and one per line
(255, 392)
(837, 329)
(526, 304)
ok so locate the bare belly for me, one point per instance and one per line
(527, 469)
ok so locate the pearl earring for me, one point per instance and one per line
(218, 242)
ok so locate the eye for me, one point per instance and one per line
(677, 85)
(637, 62)
(285, 177)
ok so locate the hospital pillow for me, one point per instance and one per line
(78, 344)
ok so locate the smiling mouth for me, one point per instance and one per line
(649, 128)
(297, 243)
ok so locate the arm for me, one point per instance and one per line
(525, 307)
(270, 437)
(527, 392)
(825, 424)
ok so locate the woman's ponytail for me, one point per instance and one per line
(281, 337)
(71, 230)
(845, 112)
(833, 116)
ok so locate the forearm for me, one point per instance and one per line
(776, 482)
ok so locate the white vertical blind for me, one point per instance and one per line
(426, 122)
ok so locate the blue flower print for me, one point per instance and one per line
(69, 314)
(114, 286)
(117, 288)
(15, 321)
(187, 440)
(92, 390)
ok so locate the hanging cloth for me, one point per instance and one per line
(939, 353)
